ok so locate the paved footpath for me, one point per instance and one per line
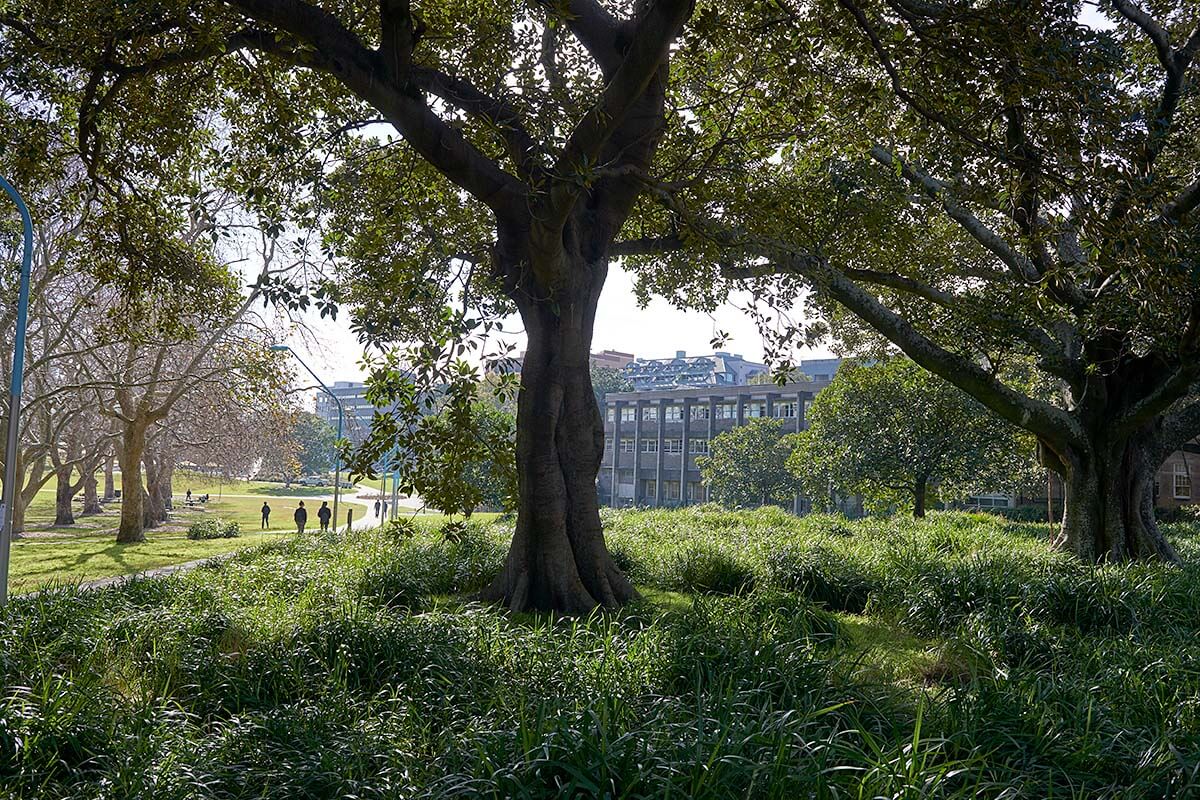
(363, 522)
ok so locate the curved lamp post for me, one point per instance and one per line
(14, 393)
(337, 457)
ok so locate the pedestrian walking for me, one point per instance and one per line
(266, 516)
(377, 508)
(301, 517)
(385, 508)
(188, 497)
(323, 514)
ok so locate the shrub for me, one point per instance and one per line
(213, 528)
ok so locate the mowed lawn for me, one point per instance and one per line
(88, 550)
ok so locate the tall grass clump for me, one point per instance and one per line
(357, 664)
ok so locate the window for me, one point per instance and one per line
(1183, 482)
(608, 443)
(786, 410)
(807, 406)
(673, 413)
(756, 409)
(650, 413)
(698, 446)
(671, 489)
(695, 490)
(699, 412)
(628, 414)
(626, 445)
(649, 488)
(649, 445)
(612, 413)
(727, 411)
(672, 445)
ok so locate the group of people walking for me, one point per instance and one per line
(300, 516)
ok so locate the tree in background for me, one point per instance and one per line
(315, 439)
(605, 380)
(748, 465)
(898, 435)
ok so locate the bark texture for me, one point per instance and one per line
(64, 495)
(1108, 508)
(129, 456)
(558, 559)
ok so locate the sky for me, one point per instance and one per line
(653, 332)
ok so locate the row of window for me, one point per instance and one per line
(695, 489)
(782, 410)
(629, 445)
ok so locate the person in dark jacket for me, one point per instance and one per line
(301, 517)
(323, 514)
(266, 516)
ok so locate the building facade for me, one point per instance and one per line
(358, 411)
(652, 438)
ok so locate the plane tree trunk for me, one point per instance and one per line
(64, 495)
(91, 497)
(129, 456)
(110, 488)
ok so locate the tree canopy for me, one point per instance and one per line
(899, 436)
(748, 465)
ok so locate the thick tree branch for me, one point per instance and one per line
(647, 51)
(361, 70)
(596, 29)
(1040, 418)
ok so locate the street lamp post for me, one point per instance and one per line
(7, 504)
(337, 457)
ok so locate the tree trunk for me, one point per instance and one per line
(558, 559)
(133, 445)
(1108, 504)
(154, 513)
(110, 489)
(919, 491)
(64, 494)
(91, 499)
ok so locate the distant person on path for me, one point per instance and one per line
(377, 508)
(385, 508)
(323, 514)
(301, 517)
(188, 498)
(266, 520)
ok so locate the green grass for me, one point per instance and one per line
(769, 657)
(88, 550)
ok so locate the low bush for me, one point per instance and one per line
(213, 528)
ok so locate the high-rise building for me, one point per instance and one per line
(358, 411)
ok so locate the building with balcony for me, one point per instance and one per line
(718, 369)
(652, 438)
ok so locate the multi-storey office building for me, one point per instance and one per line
(357, 410)
(652, 438)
